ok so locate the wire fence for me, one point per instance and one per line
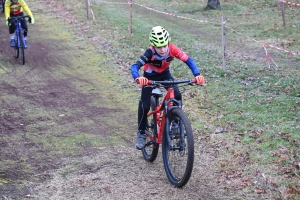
(222, 25)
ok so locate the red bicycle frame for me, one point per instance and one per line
(169, 126)
(160, 112)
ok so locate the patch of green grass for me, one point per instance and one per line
(3, 181)
(248, 98)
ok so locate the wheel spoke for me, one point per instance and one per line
(179, 158)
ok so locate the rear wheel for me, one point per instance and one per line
(16, 48)
(178, 148)
(151, 149)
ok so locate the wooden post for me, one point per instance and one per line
(283, 14)
(130, 17)
(224, 42)
(87, 9)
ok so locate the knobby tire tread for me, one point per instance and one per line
(22, 47)
(16, 48)
(189, 139)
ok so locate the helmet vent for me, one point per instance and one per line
(159, 37)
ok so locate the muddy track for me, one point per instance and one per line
(66, 130)
(52, 98)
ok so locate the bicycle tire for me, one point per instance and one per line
(22, 47)
(16, 51)
(150, 152)
(179, 161)
(16, 48)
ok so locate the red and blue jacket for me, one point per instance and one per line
(155, 64)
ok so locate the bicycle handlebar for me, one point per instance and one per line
(19, 17)
(171, 82)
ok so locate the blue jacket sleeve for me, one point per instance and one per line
(135, 70)
(140, 62)
(192, 65)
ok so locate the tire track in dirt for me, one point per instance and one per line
(59, 110)
(47, 102)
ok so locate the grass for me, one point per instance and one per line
(246, 120)
(252, 102)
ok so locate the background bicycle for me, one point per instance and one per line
(169, 126)
(20, 43)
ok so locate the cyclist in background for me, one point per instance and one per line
(156, 61)
(15, 8)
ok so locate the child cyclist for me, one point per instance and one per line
(15, 8)
(156, 61)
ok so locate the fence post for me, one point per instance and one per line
(130, 17)
(87, 9)
(283, 14)
(223, 42)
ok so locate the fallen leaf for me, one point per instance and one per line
(290, 190)
(258, 191)
(282, 159)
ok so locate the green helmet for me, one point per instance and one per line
(159, 37)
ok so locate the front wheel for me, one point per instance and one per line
(178, 148)
(16, 51)
(22, 47)
(16, 48)
(151, 149)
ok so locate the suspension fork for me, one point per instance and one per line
(169, 104)
(168, 107)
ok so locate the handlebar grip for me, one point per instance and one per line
(150, 82)
(194, 81)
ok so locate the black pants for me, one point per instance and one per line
(145, 102)
(12, 26)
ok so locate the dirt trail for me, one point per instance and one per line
(64, 133)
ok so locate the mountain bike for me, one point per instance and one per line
(19, 36)
(168, 125)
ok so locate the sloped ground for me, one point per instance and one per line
(67, 131)
(64, 133)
